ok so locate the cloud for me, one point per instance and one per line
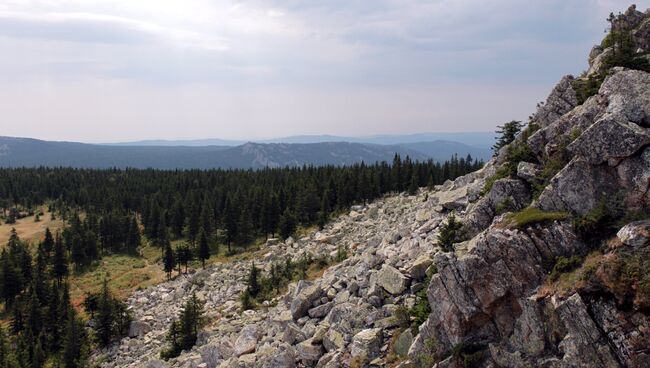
(287, 66)
(98, 28)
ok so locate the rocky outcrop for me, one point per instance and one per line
(490, 298)
(505, 195)
(561, 100)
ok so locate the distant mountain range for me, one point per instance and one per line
(27, 152)
(474, 139)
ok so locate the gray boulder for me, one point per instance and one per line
(403, 343)
(138, 329)
(308, 352)
(528, 171)
(247, 340)
(610, 139)
(305, 294)
(366, 343)
(392, 280)
(635, 234)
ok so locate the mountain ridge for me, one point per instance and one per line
(28, 152)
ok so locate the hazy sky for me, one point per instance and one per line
(100, 71)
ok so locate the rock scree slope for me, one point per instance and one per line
(538, 213)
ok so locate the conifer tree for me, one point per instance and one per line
(252, 284)
(7, 359)
(104, 321)
(133, 236)
(507, 133)
(75, 342)
(287, 224)
(48, 241)
(169, 260)
(59, 260)
(204, 247)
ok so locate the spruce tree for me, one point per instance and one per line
(204, 247)
(59, 260)
(48, 241)
(7, 359)
(133, 236)
(287, 224)
(75, 342)
(507, 133)
(252, 284)
(169, 261)
(450, 233)
(104, 320)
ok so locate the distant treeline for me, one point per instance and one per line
(238, 205)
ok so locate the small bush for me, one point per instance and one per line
(602, 220)
(563, 265)
(532, 215)
(587, 87)
(421, 310)
(341, 254)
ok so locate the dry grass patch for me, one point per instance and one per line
(29, 230)
(567, 283)
(125, 274)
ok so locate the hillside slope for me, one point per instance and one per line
(551, 269)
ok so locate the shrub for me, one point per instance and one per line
(563, 265)
(533, 215)
(587, 87)
(421, 309)
(341, 254)
(627, 277)
(601, 221)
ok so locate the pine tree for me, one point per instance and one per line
(507, 133)
(75, 345)
(10, 280)
(177, 218)
(104, 321)
(48, 241)
(39, 356)
(183, 332)
(59, 260)
(169, 260)
(450, 233)
(287, 224)
(414, 184)
(133, 236)
(204, 247)
(7, 358)
(252, 284)
(245, 230)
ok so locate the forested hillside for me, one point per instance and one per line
(117, 211)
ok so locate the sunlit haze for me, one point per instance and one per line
(102, 71)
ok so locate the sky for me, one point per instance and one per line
(121, 70)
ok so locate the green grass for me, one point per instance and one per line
(532, 215)
(564, 265)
